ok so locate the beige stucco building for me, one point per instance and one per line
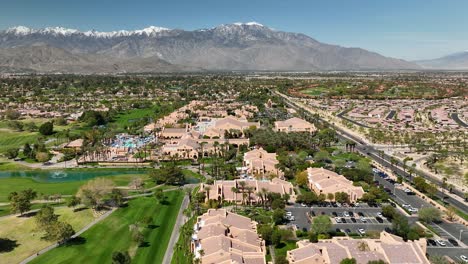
(294, 125)
(223, 237)
(223, 190)
(260, 163)
(389, 248)
(324, 181)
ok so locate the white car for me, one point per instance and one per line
(303, 205)
(345, 214)
(441, 242)
(379, 214)
(406, 205)
(364, 220)
(407, 190)
(338, 220)
(361, 231)
(464, 258)
(288, 214)
(413, 210)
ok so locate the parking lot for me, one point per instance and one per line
(350, 218)
(453, 252)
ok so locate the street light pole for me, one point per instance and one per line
(461, 231)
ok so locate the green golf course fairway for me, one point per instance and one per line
(113, 234)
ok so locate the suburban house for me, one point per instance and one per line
(389, 248)
(324, 181)
(223, 190)
(223, 237)
(261, 163)
(294, 125)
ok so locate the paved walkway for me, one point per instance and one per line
(272, 253)
(181, 219)
(86, 228)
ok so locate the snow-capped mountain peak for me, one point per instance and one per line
(61, 31)
(19, 30)
(252, 23)
(58, 31)
(150, 30)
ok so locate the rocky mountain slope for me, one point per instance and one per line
(239, 46)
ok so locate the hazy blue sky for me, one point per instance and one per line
(409, 29)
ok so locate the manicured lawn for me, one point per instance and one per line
(284, 247)
(12, 139)
(113, 234)
(28, 239)
(9, 165)
(8, 185)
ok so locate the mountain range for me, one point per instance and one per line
(455, 61)
(228, 47)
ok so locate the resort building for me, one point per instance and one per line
(224, 190)
(223, 237)
(389, 248)
(261, 163)
(76, 144)
(185, 148)
(170, 133)
(325, 181)
(294, 125)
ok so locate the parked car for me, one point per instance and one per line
(363, 219)
(347, 230)
(413, 210)
(441, 242)
(380, 220)
(338, 220)
(432, 242)
(334, 214)
(464, 258)
(343, 220)
(353, 219)
(312, 213)
(379, 214)
(361, 231)
(345, 214)
(360, 214)
(453, 242)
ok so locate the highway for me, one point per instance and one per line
(384, 160)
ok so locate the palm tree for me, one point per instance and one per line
(250, 190)
(242, 185)
(236, 191)
(207, 190)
